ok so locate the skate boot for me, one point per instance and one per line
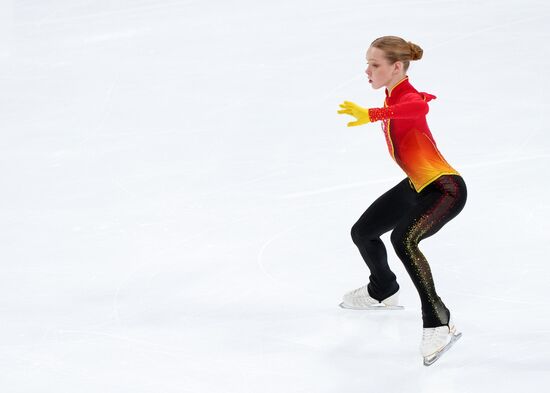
(436, 341)
(359, 299)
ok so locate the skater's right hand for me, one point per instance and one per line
(360, 113)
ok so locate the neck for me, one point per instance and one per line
(395, 81)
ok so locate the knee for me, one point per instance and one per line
(399, 242)
(355, 234)
(358, 234)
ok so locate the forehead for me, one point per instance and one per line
(375, 54)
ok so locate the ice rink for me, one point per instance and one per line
(178, 193)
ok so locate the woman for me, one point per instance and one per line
(430, 196)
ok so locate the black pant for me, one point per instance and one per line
(412, 216)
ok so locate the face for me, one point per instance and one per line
(380, 72)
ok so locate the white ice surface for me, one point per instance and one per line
(178, 190)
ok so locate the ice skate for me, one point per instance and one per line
(437, 341)
(359, 299)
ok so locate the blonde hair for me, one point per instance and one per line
(397, 49)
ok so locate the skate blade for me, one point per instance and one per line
(379, 306)
(429, 360)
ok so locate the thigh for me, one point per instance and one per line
(386, 211)
(436, 205)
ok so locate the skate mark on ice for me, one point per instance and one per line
(260, 257)
(486, 29)
(325, 190)
(507, 161)
(178, 248)
(126, 11)
(144, 345)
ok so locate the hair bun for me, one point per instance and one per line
(416, 51)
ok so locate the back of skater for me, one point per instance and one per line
(431, 195)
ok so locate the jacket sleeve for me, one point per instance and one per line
(411, 106)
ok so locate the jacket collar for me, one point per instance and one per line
(398, 87)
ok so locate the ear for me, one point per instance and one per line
(397, 67)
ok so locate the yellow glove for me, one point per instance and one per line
(360, 113)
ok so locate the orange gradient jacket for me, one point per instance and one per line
(409, 139)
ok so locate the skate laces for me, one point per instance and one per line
(428, 334)
(433, 335)
(360, 297)
(361, 291)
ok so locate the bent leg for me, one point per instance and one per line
(437, 204)
(381, 217)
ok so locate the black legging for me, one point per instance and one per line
(413, 217)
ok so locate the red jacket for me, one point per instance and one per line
(409, 139)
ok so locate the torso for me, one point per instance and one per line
(411, 143)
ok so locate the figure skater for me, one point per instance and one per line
(431, 195)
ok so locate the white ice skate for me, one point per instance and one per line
(437, 341)
(359, 299)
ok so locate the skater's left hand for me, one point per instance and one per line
(360, 113)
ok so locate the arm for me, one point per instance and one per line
(412, 106)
